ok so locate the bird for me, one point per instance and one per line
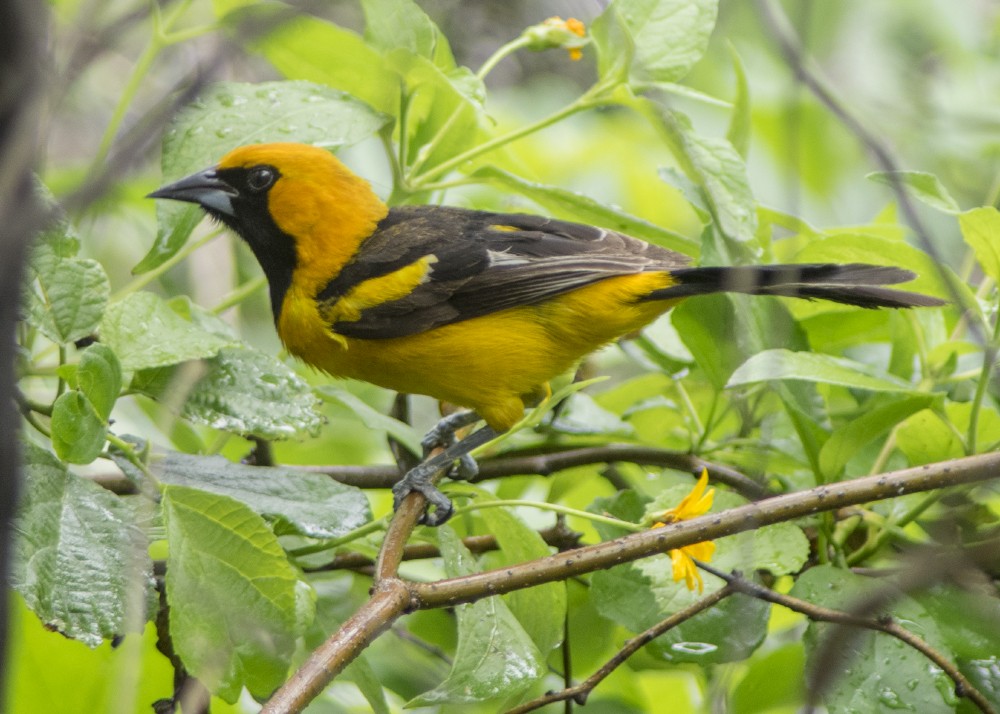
(475, 308)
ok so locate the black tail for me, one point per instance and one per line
(854, 283)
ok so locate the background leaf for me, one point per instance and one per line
(582, 209)
(981, 231)
(69, 297)
(541, 610)
(495, 658)
(300, 502)
(247, 392)
(99, 376)
(78, 431)
(80, 562)
(669, 36)
(781, 364)
(924, 186)
(232, 114)
(877, 673)
(145, 332)
(218, 547)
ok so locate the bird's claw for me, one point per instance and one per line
(442, 506)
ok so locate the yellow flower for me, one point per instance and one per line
(696, 503)
(555, 32)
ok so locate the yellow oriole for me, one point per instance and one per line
(474, 308)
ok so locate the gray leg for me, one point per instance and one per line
(418, 478)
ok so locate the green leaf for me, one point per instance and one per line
(760, 691)
(969, 620)
(923, 186)
(738, 133)
(541, 610)
(444, 109)
(374, 419)
(78, 431)
(714, 165)
(876, 673)
(780, 549)
(932, 278)
(577, 207)
(80, 562)
(391, 24)
(639, 595)
(782, 364)
(865, 428)
(615, 46)
(495, 657)
(251, 393)
(99, 376)
(669, 36)
(68, 296)
(144, 332)
(299, 502)
(232, 114)
(700, 325)
(981, 232)
(236, 605)
(335, 602)
(308, 48)
(926, 439)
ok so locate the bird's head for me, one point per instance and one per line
(296, 205)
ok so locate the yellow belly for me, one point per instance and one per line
(488, 363)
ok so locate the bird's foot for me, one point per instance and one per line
(419, 478)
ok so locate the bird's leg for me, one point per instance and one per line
(419, 478)
(442, 435)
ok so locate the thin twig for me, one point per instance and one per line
(547, 464)
(550, 463)
(581, 691)
(888, 625)
(778, 26)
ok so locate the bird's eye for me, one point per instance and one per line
(261, 178)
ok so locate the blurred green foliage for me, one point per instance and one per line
(681, 125)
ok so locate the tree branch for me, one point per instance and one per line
(393, 596)
(776, 23)
(963, 687)
(549, 463)
(709, 527)
(581, 691)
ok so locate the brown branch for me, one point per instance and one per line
(390, 600)
(376, 615)
(922, 568)
(384, 476)
(549, 463)
(579, 693)
(888, 625)
(709, 527)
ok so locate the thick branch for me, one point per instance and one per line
(709, 527)
(389, 601)
(327, 661)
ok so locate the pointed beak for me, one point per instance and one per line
(204, 188)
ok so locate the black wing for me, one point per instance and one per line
(483, 262)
